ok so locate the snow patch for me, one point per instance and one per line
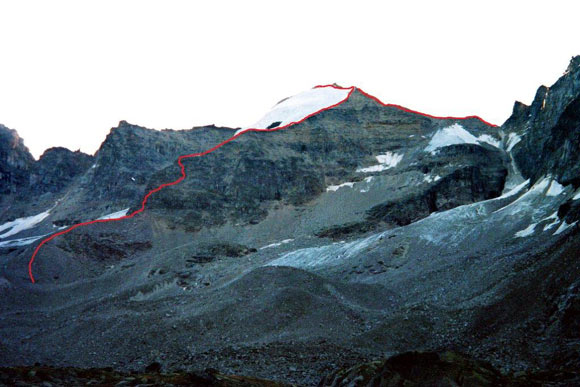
(21, 224)
(542, 184)
(334, 188)
(367, 180)
(431, 179)
(285, 241)
(387, 160)
(298, 107)
(514, 190)
(512, 140)
(554, 216)
(115, 215)
(555, 189)
(21, 241)
(563, 227)
(489, 139)
(451, 135)
(527, 231)
(577, 196)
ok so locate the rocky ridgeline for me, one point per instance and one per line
(15, 161)
(245, 179)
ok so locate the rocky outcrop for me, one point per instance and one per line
(131, 155)
(15, 161)
(550, 130)
(56, 169)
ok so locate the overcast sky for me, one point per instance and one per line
(71, 70)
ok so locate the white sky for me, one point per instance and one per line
(71, 70)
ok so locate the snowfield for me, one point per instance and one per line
(555, 189)
(21, 241)
(300, 106)
(114, 215)
(334, 188)
(456, 134)
(386, 161)
(21, 224)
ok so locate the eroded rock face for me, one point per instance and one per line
(57, 168)
(550, 129)
(242, 181)
(15, 161)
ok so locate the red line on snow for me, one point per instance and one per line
(199, 154)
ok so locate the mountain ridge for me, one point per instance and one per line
(362, 232)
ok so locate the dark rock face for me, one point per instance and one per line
(480, 177)
(561, 153)
(243, 180)
(131, 155)
(15, 161)
(550, 129)
(57, 168)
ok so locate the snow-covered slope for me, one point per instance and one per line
(456, 134)
(300, 106)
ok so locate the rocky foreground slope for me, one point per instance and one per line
(361, 232)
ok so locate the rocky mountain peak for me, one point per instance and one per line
(15, 160)
(574, 65)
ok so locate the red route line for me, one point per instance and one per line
(199, 154)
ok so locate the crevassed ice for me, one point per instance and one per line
(387, 160)
(21, 224)
(295, 108)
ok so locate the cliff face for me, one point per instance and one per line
(247, 178)
(22, 176)
(56, 169)
(549, 130)
(15, 161)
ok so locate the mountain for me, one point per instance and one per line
(342, 231)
